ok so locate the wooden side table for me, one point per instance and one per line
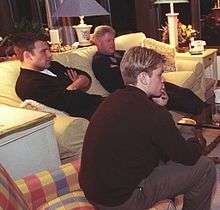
(27, 141)
(208, 58)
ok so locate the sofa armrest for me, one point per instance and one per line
(187, 65)
(191, 79)
(69, 131)
(46, 185)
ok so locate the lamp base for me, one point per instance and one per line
(172, 27)
(83, 34)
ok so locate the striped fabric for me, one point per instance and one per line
(10, 196)
(46, 186)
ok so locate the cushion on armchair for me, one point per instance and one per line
(41, 189)
(49, 190)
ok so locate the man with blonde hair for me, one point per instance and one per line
(128, 138)
(106, 67)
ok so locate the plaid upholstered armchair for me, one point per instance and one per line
(58, 189)
(50, 190)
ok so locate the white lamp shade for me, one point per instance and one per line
(76, 8)
(170, 1)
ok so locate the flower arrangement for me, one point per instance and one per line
(185, 32)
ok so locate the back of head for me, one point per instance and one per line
(137, 60)
(100, 31)
(25, 42)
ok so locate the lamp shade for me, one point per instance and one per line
(170, 1)
(76, 8)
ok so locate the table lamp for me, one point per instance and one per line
(81, 8)
(172, 20)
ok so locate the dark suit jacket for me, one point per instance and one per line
(52, 92)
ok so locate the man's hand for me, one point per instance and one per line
(79, 82)
(72, 74)
(162, 100)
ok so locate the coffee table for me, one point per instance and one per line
(204, 120)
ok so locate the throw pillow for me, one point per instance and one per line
(163, 49)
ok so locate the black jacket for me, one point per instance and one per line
(52, 92)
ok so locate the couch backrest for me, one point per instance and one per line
(124, 42)
(9, 72)
(82, 59)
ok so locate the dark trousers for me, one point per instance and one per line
(171, 179)
(183, 100)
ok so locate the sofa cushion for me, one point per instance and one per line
(9, 72)
(46, 186)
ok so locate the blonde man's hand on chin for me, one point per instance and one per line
(162, 100)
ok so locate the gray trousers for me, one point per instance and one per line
(171, 179)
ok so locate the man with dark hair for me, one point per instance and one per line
(106, 67)
(133, 155)
(51, 83)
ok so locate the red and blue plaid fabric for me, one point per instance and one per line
(46, 186)
(47, 191)
(11, 197)
(58, 189)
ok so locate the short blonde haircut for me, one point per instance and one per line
(137, 60)
(101, 31)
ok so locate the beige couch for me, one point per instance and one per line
(70, 130)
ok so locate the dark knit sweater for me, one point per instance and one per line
(127, 137)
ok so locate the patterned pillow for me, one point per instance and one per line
(11, 197)
(163, 49)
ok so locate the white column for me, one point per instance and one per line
(172, 26)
